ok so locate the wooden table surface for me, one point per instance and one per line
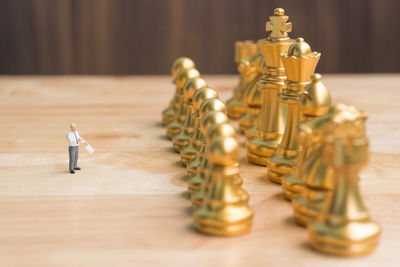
(127, 207)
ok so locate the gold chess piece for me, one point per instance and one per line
(250, 70)
(182, 138)
(314, 102)
(207, 121)
(179, 64)
(272, 117)
(300, 63)
(225, 209)
(345, 227)
(189, 153)
(175, 125)
(236, 106)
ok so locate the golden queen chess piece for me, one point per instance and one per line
(182, 138)
(225, 209)
(345, 227)
(300, 63)
(272, 118)
(175, 125)
(236, 106)
(189, 153)
(314, 102)
(179, 64)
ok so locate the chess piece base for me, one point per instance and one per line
(236, 108)
(193, 165)
(227, 230)
(291, 186)
(258, 151)
(309, 204)
(280, 164)
(335, 239)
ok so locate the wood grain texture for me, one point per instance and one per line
(126, 207)
(145, 36)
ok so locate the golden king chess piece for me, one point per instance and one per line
(250, 70)
(179, 64)
(175, 125)
(207, 121)
(236, 106)
(314, 102)
(345, 227)
(189, 153)
(272, 117)
(225, 209)
(300, 63)
(182, 138)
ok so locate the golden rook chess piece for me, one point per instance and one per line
(182, 138)
(188, 154)
(179, 64)
(314, 102)
(225, 209)
(271, 120)
(300, 63)
(175, 125)
(196, 182)
(345, 227)
(250, 70)
(236, 106)
(208, 118)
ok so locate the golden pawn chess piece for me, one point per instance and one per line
(175, 125)
(189, 153)
(345, 227)
(236, 106)
(182, 138)
(207, 121)
(179, 64)
(314, 102)
(225, 209)
(250, 69)
(300, 63)
(272, 118)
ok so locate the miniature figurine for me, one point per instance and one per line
(74, 140)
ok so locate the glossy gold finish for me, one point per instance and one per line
(179, 64)
(236, 105)
(225, 209)
(272, 117)
(300, 63)
(314, 102)
(182, 138)
(188, 154)
(207, 120)
(175, 125)
(345, 227)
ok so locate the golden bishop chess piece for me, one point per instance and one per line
(314, 102)
(236, 106)
(190, 152)
(300, 63)
(182, 138)
(197, 180)
(179, 64)
(344, 227)
(272, 117)
(175, 125)
(225, 209)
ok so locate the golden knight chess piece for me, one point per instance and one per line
(197, 180)
(190, 152)
(179, 64)
(272, 117)
(300, 63)
(344, 227)
(175, 125)
(225, 209)
(182, 138)
(314, 102)
(236, 106)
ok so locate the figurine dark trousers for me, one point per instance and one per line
(73, 157)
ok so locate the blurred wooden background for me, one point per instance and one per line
(145, 36)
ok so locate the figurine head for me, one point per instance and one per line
(316, 100)
(181, 63)
(201, 95)
(191, 86)
(223, 151)
(73, 127)
(212, 118)
(213, 104)
(184, 75)
(223, 129)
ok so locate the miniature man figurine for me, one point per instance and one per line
(74, 139)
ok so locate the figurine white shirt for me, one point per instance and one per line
(73, 138)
